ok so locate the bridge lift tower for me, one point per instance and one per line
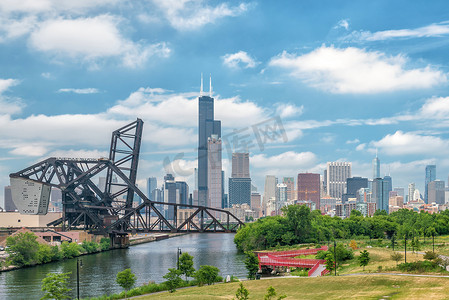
(109, 210)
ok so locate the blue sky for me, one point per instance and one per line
(344, 77)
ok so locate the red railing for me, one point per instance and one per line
(313, 269)
(284, 259)
(293, 253)
(324, 272)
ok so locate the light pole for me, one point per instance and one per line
(178, 253)
(335, 257)
(79, 263)
(405, 251)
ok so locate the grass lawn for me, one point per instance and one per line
(328, 287)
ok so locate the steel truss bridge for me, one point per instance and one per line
(109, 209)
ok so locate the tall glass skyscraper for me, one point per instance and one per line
(207, 127)
(376, 167)
(431, 171)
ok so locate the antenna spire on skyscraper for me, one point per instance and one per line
(201, 90)
(210, 85)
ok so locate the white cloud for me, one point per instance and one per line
(289, 110)
(9, 105)
(90, 39)
(432, 30)
(405, 143)
(435, 108)
(29, 150)
(342, 23)
(239, 58)
(193, 14)
(79, 153)
(289, 159)
(354, 141)
(79, 91)
(357, 71)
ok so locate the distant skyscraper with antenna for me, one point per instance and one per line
(209, 132)
(376, 167)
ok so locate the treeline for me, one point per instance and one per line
(24, 250)
(299, 225)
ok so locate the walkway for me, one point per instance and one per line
(286, 259)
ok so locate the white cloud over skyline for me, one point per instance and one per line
(79, 91)
(239, 59)
(356, 71)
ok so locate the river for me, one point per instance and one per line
(149, 262)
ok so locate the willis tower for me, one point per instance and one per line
(207, 127)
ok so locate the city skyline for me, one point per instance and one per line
(61, 94)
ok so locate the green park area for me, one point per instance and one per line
(328, 287)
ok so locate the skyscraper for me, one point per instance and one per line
(431, 171)
(240, 165)
(381, 192)
(436, 191)
(269, 191)
(282, 201)
(9, 203)
(214, 172)
(290, 182)
(151, 186)
(411, 191)
(337, 173)
(240, 182)
(353, 184)
(309, 188)
(376, 167)
(207, 127)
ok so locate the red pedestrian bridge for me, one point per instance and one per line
(286, 259)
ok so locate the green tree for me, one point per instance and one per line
(173, 279)
(364, 259)
(186, 265)
(396, 256)
(242, 293)
(207, 275)
(69, 250)
(55, 286)
(105, 244)
(22, 248)
(251, 264)
(126, 279)
(44, 254)
(330, 262)
(271, 293)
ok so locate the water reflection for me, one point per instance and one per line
(148, 261)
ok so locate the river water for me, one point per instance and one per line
(149, 262)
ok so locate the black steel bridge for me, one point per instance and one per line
(110, 211)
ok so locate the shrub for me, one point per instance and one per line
(69, 250)
(420, 267)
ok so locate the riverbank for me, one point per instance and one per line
(153, 237)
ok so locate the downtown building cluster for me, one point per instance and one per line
(334, 192)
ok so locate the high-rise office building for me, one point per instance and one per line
(240, 182)
(151, 186)
(240, 165)
(239, 191)
(9, 203)
(207, 127)
(381, 192)
(282, 200)
(436, 192)
(411, 191)
(269, 192)
(224, 196)
(431, 172)
(290, 183)
(376, 167)
(353, 184)
(337, 173)
(214, 172)
(309, 188)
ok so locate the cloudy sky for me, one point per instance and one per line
(336, 80)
